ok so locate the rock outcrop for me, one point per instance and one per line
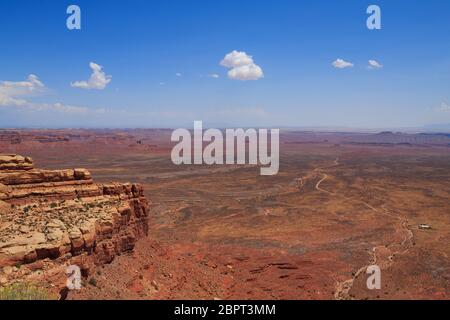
(15, 162)
(61, 217)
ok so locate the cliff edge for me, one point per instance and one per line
(50, 219)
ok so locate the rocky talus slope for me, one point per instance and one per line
(52, 219)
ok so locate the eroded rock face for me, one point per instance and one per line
(15, 162)
(61, 217)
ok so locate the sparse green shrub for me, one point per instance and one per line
(93, 282)
(23, 291)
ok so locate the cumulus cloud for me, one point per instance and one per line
(13, 93)
(250, 72)
(98, 80)
(30, 84)
(242, 67)
(342, 64)
(17, 94)
(373, 64)
(236, 59)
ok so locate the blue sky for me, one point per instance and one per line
(143, 45)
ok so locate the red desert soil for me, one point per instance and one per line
(340, 203)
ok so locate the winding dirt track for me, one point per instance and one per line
(343, 287)
(382, 255)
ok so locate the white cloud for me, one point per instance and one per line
(250, 72)
(213, 75)
(178, 74)
(32, 83)
(242, 67)
(98, 80)
(13, 93)
(17, 94)
(342, 64)
(236, 59)
(373, 64)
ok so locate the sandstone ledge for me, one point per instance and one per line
(58, 217)
(15, 162)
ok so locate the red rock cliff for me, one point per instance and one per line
(50, 218)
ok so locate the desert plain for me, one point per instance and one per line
(341, 202)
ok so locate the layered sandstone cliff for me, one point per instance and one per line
(50, 218)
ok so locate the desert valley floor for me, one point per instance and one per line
(340, 203)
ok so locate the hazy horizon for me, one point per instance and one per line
(444, 129)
